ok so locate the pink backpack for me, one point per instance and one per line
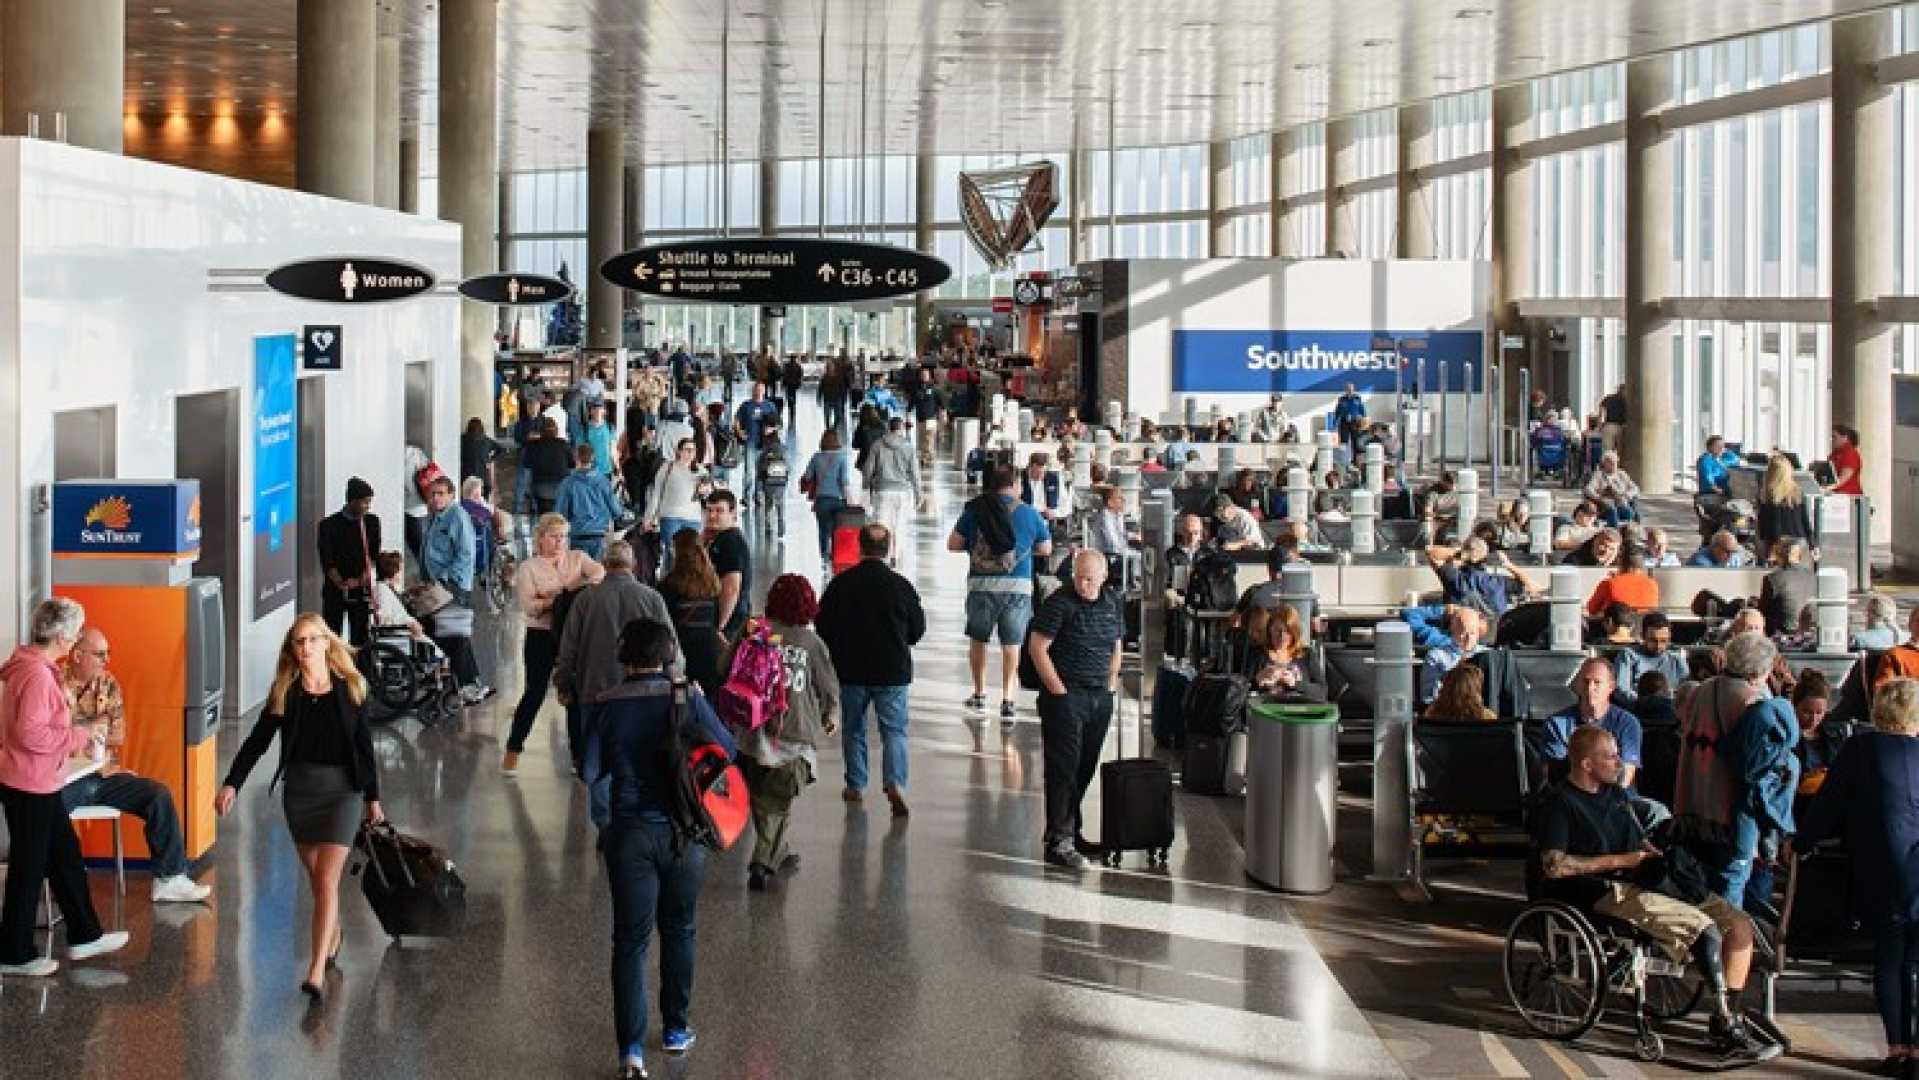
(755, 690)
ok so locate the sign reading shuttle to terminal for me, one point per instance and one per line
(1320, 361)
(775, 270)
(350, 280)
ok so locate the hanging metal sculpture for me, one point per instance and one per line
(1004, 210)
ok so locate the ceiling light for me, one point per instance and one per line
(1472, 13)
(1374, 43)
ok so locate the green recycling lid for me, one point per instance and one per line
(1296, 714)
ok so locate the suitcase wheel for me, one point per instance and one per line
(1112, 858)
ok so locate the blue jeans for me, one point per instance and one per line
(751, 479)
(592, 545)
(1729, 879)
(824, 507)
(669, 526)
(1618, 514)
(148, 800)
(651, 884)
(889, 707)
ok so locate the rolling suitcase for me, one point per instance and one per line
(1169, 699)
(1202, 768)
(847, 523)
(1136, 801)
(413, 887)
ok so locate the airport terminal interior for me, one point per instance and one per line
(959, 538)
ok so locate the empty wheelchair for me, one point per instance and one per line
(407, 676)
(1561, 965)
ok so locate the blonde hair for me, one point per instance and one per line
(552, 523)
(339, 662)
(1778, 485)
(1895, 707)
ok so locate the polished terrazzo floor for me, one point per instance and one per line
(935, 947)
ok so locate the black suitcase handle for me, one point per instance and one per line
(384, 831)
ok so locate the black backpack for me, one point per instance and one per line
(1213, 584)
(1216, 704)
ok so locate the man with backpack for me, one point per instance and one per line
(999, 535)
(893, 478)
(755, 415)
(769, 482)
(587, 502)
(870, 618)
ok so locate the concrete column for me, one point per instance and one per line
(386, 123)
(409, 191)
(1275, 225)
(1647, 442)
(1414, 222)
(1288, 241)
(1510, 228)
(1076, 207)
(605, 222)
(469, 173)
(924, 213)
(1219, 165)
(632, 226)
(771, 326)
(1342, 167)
(1865, 127)
(65, 57)
(338, 77)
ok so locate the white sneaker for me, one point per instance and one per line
(112, 941)
(472, 695)
(180, 889)
(37, 968)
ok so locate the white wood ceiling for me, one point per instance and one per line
(948, 75)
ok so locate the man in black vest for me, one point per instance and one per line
(347, 542)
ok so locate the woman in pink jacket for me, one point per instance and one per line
(37, 736)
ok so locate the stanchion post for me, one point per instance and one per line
(1392, 740)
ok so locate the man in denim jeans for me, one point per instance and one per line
(1000, 535)
(870, 619)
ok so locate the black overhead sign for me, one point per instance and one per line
(350, 280)
(512, 288)
(775, 271)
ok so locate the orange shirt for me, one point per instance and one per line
(1637, 591)
(1900, 662)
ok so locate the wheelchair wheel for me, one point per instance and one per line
(499, 580)
(445, 705)
(395, 681)
(1672, 990)
(1554, 971)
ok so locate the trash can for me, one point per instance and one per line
(1292, 784)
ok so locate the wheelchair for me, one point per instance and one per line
(1561, 965)
(406, 676)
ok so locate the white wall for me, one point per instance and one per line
(1165, 295)
(104, 299)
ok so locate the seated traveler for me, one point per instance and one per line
(1881, 631)
(1592, 686)
(389, 613)
(1235, 528)
(94, 695)
(1900, 661)
(1461, 696)
(1652, 701)
(1594, 855)
(1575, 533)
(1467, 627)
(1631, 585)
(1713, 466)
(1601, 549)
(1723, 550)
(1652, 652)
(1465, 579)
(1788, 588)
(1612, 491)
(1820, 737)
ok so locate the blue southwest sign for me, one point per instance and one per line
(126, 518)
(1321, 361)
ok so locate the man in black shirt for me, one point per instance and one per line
(732, 560)
(1074, 644)
(1612, 418)
(347, 542)
(1592, 852)
(871, 618)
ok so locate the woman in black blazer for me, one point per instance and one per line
(1870, 797)
(1782, 509)
(318, 708)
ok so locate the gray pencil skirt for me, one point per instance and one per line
(321, 804)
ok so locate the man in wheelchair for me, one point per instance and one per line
(1594, 855)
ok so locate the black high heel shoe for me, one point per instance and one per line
(314, 994)
(333, 958)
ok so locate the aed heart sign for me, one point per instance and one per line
(775, 270)
(515, 289)
(350, 279)
(1322, 361)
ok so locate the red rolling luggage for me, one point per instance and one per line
(847, 523)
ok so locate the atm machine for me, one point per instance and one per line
(124, 549)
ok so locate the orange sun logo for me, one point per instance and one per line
(111, 513)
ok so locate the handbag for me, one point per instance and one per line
(426, 598)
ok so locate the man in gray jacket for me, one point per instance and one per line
(893, 479)
(589, 662)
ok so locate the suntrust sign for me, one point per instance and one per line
(1319, 361)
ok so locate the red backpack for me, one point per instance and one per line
(755, 690)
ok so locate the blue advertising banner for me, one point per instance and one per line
(126, 519)
(1320, 361)
(274, 468)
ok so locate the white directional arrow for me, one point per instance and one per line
(826, 271)
(642, 271)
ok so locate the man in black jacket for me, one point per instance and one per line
(347, 542)
(870, 618)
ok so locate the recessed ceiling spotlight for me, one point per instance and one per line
(1374, 43)
(1473, 13)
